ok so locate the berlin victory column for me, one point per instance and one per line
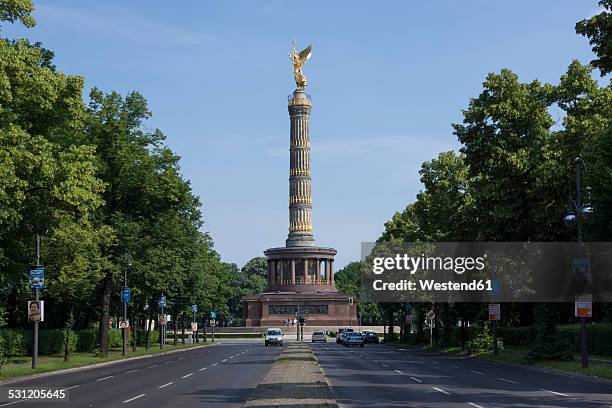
(300, 274)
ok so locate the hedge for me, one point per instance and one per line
(51, 341)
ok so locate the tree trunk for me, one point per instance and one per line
(175, 328)
(183, 327)
(104, 316)
(150, 316)
(68, 333)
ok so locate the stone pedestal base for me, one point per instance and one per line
(319, 309)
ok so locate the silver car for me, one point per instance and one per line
(319, 336)
(353, 339)
(274, 336)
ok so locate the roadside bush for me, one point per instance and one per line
(12, 344)
(141, 337)
(482, 342)
(87, 340)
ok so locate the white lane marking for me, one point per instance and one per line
(416, 379)
(556, 393)
(212, 365)
(420, 358)
(232, 357)
(131, 371)
(188, 375)
(12, 403)
(132, 399)
(224, 360)
(202, 369)
(441, 390)
(74, 386)
(477, 372)
(454, 366)
(168, 362)
(386, 366)
(435, 362)
(475, 405)
(165, 385)
(105, 378)
(398, 371)
(181, 358)
(154, 365)
(403, 349)
(508, 381)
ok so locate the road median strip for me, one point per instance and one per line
(295, 380)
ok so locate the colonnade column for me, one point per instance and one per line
(305, 271)
(318, 271)
(293, 271)
(331, 271)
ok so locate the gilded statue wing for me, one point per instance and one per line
(305, 54)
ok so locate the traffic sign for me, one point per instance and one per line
(162, 301)
(194, 326)
(125, 295)
(583, 307)
(431, 315)
(37, 278)
(161, 319)
(494, 311)
(194, 308)
(124, 324)
(213, 315)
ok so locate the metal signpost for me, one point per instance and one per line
(213, 316)
(494, 316)
(125, 298)
(194, 333)
(37, 282)
(162, 322)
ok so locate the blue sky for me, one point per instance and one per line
(387, 80)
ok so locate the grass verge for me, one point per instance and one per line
(22, 366)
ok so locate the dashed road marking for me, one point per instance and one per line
(203, 368)
(384, 365)
(477, 372)
(441, 390)
(435, 362)
(74, 386)
(508, 381)
(134, 398)
(165, 385)
(420, 358)
(105, 378)
(13, 403)
(131, 371)
(454, 366)
(556, 393)
(187, 375)
(212, 365)
(475, 405)
(224, 360)
(154, 365)
(416, 379)
(398, 371)
(168, 362)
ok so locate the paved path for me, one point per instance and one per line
(223, 375)
(385, 376)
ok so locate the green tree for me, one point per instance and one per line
(599, 31)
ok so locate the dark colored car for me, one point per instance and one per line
(371, 337)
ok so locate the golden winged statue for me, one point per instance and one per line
(299, 59)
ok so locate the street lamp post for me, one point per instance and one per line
(577, 212)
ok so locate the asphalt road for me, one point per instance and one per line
(222, 375)
(385, 376)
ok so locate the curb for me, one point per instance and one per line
(97, 365)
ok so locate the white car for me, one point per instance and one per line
(274, 335)
(319, 336)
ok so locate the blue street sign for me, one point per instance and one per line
(37, 278)
(213, 315)
(162, 301)
(125, 295)
(194, 308)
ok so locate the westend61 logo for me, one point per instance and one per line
(412, 264)
(486, 271)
